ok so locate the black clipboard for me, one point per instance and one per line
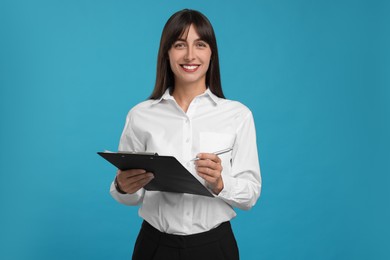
(169, 174)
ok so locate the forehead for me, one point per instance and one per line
(189, 31)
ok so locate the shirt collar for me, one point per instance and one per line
(167, 96)
(213, 97)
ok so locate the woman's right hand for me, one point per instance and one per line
(130, 181)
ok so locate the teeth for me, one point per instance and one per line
(189, 67)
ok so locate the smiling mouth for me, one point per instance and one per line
(190, 67)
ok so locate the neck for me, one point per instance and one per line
(184, 94)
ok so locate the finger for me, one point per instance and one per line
(131, 176)
(215, 184)
(208, 178)
(135, 185)
(130, 173)
(209, 172)
(208, 164)
(209, 156)
(137, 178)
(206, 171)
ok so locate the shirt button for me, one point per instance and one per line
(187, 140)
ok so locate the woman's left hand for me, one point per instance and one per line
(209, 168)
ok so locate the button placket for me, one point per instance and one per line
(187, 137)
(187, 132)
(188, 213)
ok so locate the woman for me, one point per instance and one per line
(187, 116)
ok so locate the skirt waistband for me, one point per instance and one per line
(185, 241)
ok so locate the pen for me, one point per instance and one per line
(216, 153)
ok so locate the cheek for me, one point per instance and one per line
(171, 61)
(207, 58)
(173, 57)
(207, 61)
(171, 64)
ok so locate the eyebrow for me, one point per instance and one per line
(196, 40)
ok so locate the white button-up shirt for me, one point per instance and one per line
(210, 124)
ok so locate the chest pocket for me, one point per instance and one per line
(212, 142)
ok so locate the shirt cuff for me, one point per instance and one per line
(128, 199)
(228, 188)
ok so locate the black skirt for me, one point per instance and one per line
(216, 244)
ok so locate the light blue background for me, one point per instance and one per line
(314, 73)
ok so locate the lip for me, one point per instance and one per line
(190, 67)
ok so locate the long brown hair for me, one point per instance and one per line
(175, 27)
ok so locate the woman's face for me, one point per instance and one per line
(189, 59)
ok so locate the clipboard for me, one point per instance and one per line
(169, 174)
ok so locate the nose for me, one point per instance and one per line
(189, 54)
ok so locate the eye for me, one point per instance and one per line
(179, 45)
(201, 44)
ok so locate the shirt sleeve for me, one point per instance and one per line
(242, 185)
(128, 142)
